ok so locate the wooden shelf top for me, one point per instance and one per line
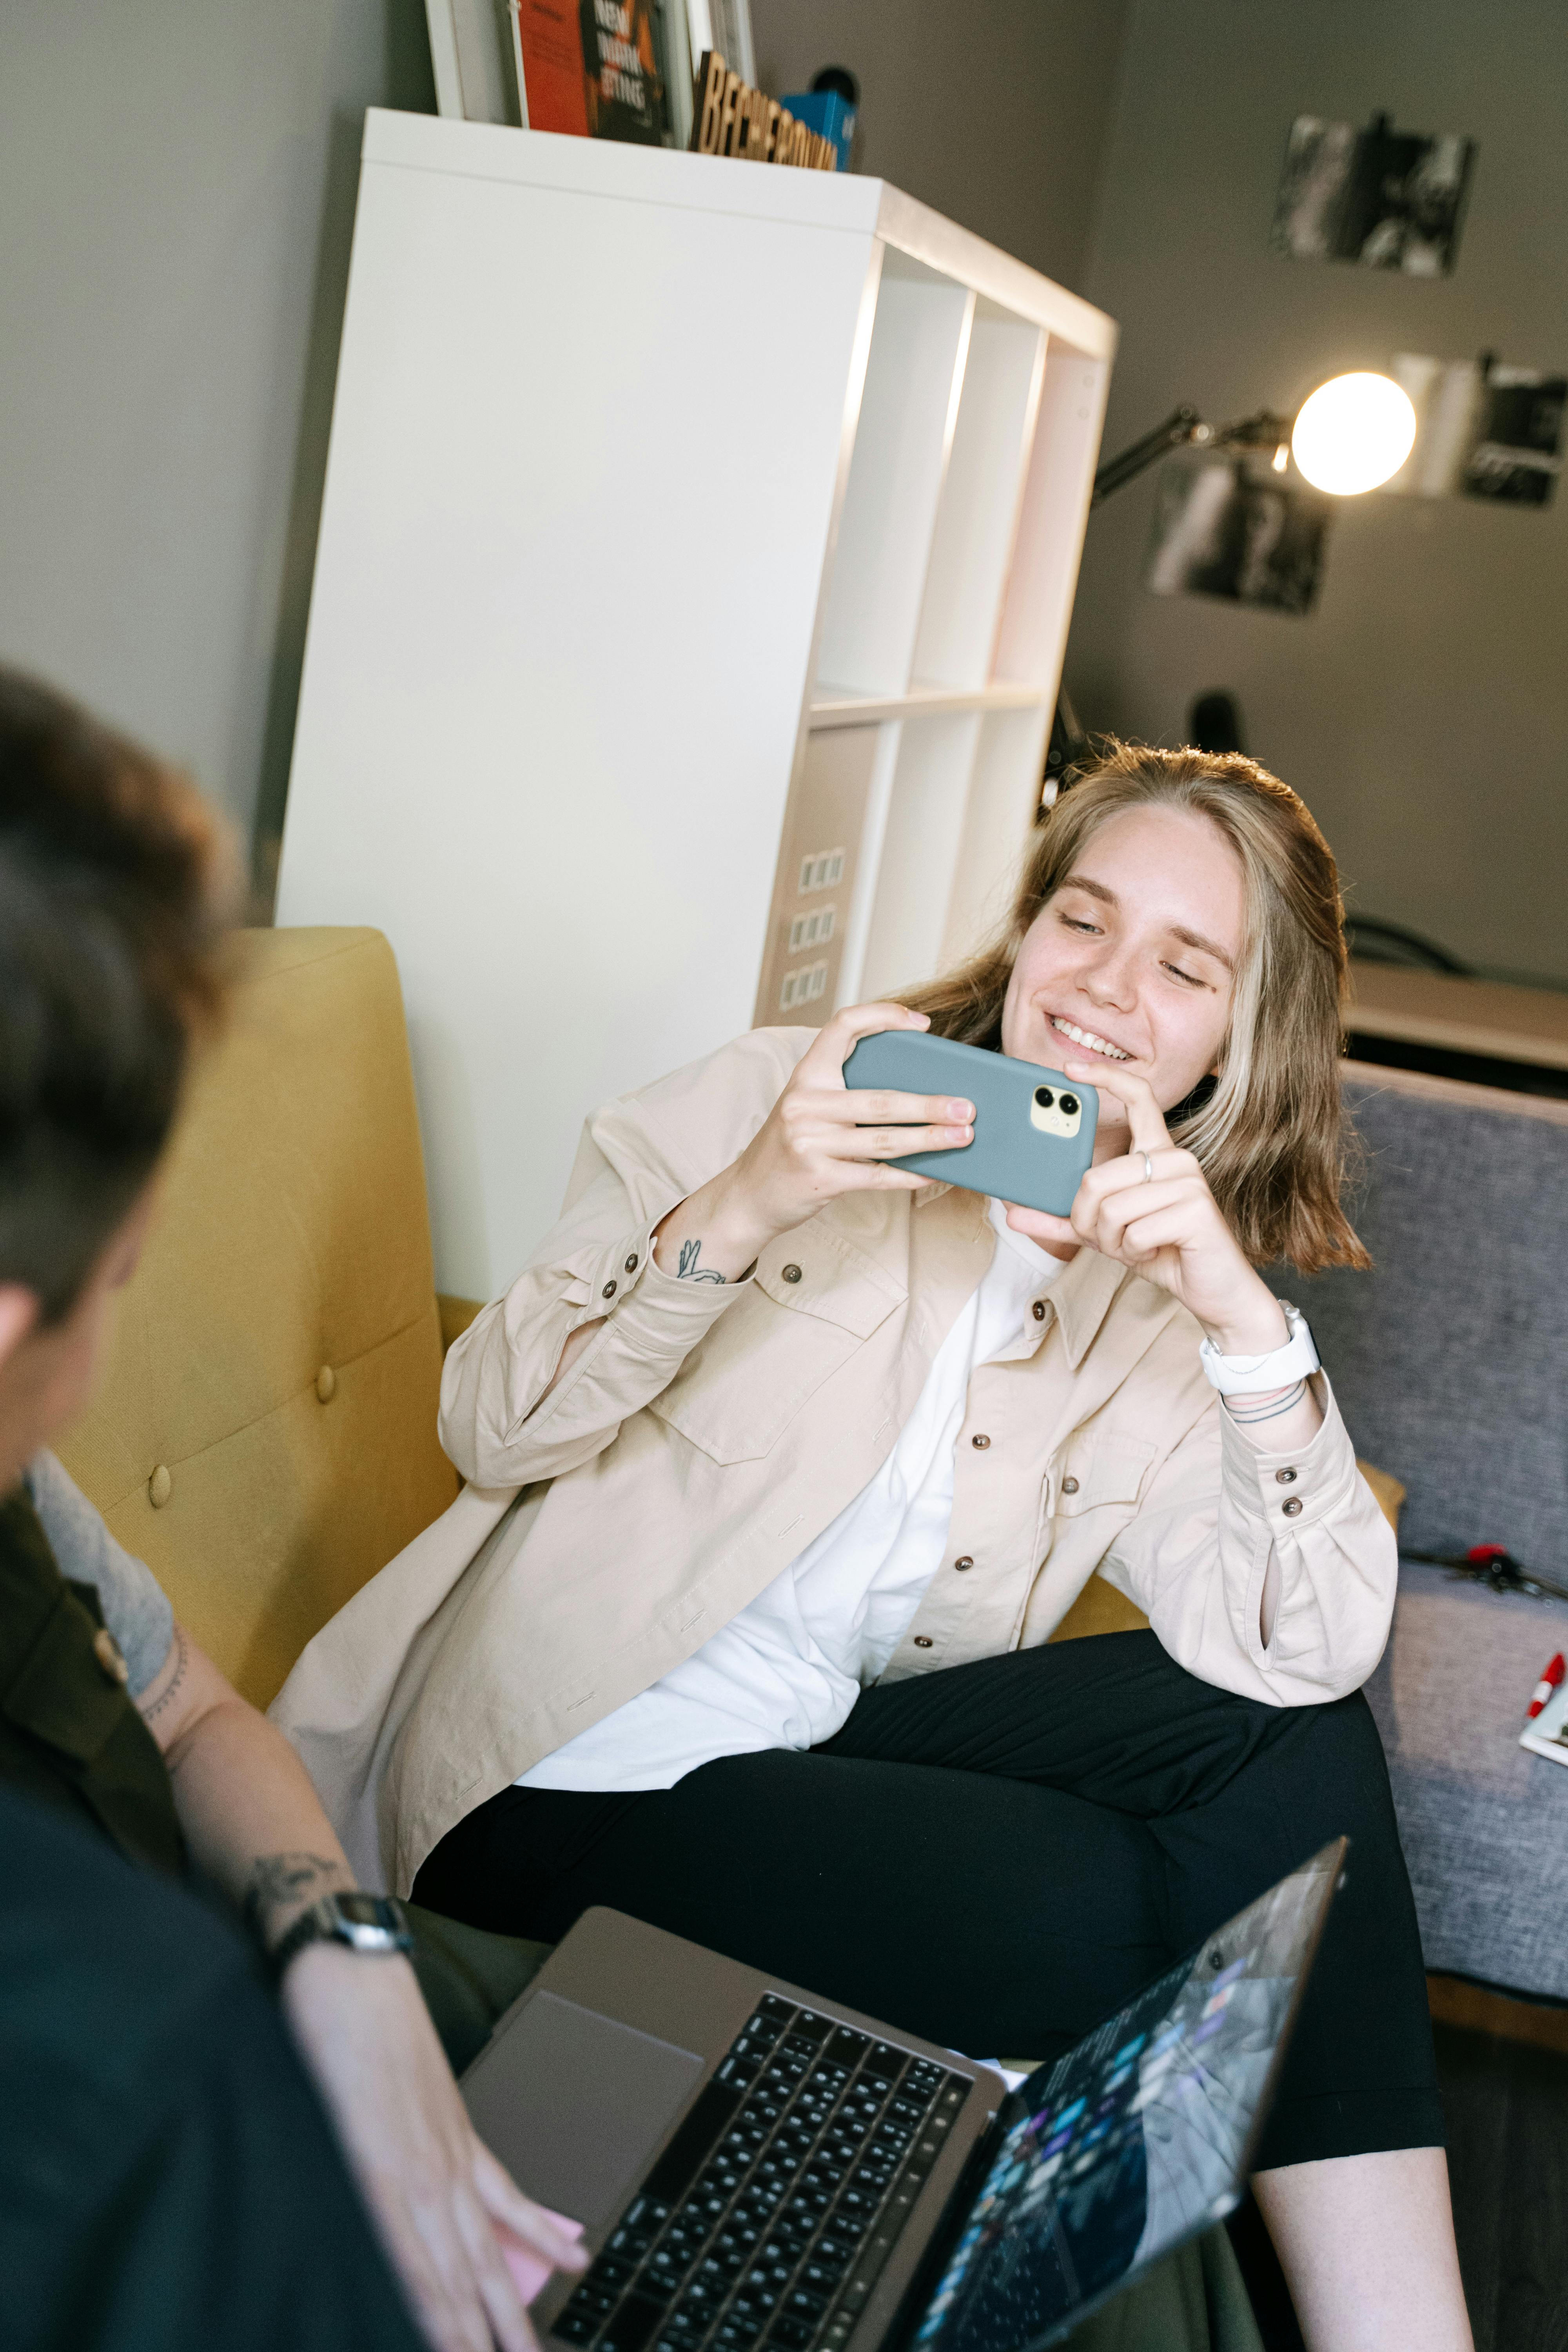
(1466, 1016)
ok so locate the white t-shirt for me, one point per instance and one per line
(786, 1670)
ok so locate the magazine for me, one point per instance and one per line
(1546, 1734)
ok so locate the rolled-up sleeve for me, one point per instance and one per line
(641, 1155)
(493, 1425)
(1217, 1510)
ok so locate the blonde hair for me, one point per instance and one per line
(1269, 1133)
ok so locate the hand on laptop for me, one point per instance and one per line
(443, 2203)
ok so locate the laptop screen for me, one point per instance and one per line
(1137, 2138)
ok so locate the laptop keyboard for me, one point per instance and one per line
(769, 2216)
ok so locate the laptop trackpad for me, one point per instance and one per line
(573, 2103)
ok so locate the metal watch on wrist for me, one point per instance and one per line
(374, 1924)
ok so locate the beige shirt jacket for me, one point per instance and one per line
(707, 1433)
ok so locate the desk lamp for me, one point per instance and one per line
(1352, 434)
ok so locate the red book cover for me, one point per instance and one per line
(549, 65)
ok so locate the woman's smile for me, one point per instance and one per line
(1087, 1040)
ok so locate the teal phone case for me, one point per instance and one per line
(1028, 1152)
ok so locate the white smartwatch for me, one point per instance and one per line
(1253, 1375)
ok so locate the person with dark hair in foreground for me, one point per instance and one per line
(166, 2177)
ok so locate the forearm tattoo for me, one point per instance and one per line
(165, 1697)
(1250, 1411)
(689, 1270)
(286, 1881)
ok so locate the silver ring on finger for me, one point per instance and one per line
(1148, 1170)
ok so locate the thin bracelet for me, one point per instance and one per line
(1248, 1410)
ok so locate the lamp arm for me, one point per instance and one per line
(1183, 429)
(1182, 426)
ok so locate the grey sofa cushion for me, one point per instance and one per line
(1450, 1359)
(1484, 1822)
(1450, 1362)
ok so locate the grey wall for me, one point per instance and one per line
(1422, 709)
(176, 182)
(177, 185)
(993, 111)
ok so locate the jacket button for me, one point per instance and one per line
(792, 1274)
(631, 1265)
(1038, 1311)
(326, 1384)
(1070, 1485)
(980, 1444)
(965, 1562)
(160, 1487)
(923, 1641)
(608, 1291)
(1284, 1477)
(1292, 1508)
(105, 1650)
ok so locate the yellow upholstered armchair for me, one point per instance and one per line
(265, 1434)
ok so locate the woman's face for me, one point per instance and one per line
(1134, 958)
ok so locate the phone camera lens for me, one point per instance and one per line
(1069, 1104)
(1044, 1096)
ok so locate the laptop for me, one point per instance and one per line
(758, 2170)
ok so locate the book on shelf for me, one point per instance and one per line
(593, 69)
(827, 113)
(471, 57)
(724, 25)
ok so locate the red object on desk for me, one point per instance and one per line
(1552, 1675)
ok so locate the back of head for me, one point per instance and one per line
(111, 881)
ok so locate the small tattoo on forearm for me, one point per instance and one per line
(278, 1880)
(164, 1697)
(1251, 1409)
(687, 1270)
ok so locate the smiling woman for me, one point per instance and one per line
(818, 1454)
(1219, 977)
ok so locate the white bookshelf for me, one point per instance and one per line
(696, 558)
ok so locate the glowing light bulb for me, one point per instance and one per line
(1354, 432)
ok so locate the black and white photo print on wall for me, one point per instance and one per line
(1517, 453)
(1483, 429)
(1224, 528)
(1389, 199)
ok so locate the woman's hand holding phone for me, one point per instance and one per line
(1152, 1209)
(819, 1141)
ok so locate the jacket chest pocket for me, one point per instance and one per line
(1101, 1469)
(805, 1315)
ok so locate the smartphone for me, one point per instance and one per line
(1034, 1129)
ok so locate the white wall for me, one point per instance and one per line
(1422, 709)
(176, 183)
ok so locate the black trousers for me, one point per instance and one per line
(997, 1855)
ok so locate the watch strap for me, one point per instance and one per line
(1255, 1375)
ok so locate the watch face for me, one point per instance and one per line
(369, 1911)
